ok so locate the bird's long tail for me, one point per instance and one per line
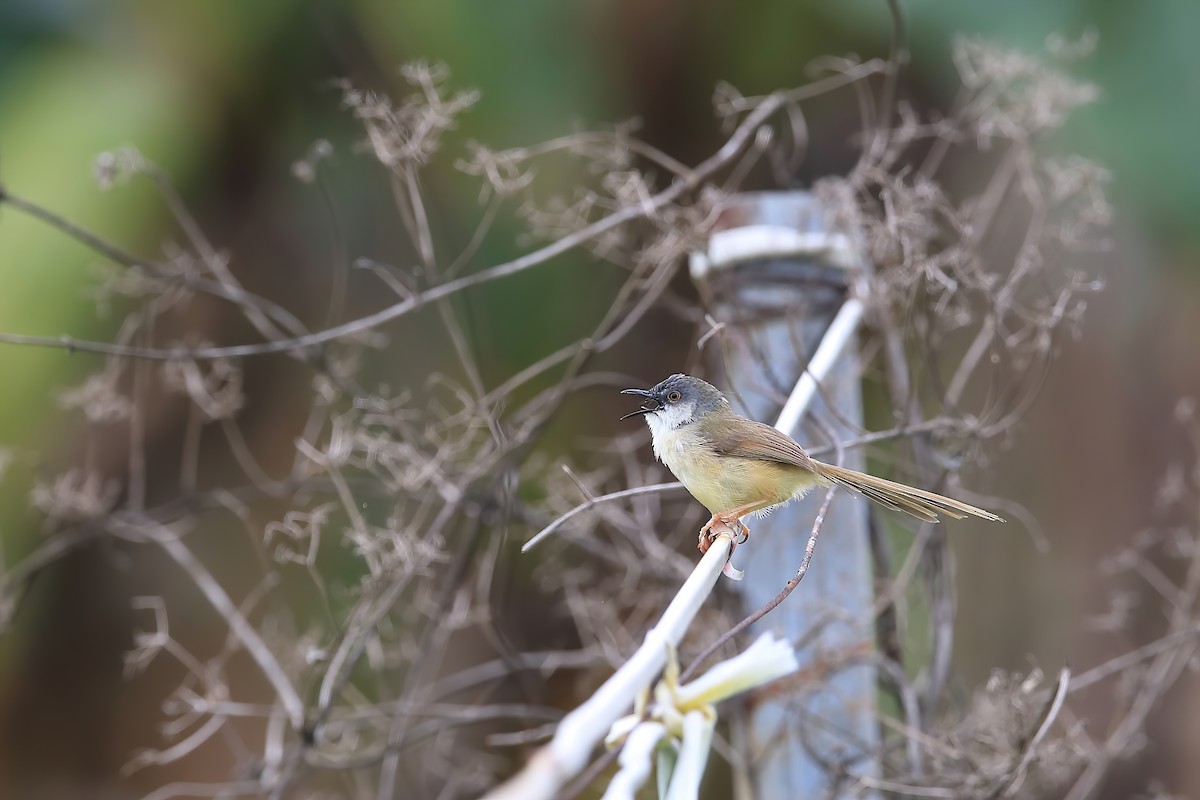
(898, 497)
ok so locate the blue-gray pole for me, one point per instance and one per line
(774, 276)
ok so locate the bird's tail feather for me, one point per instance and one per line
(898, 497)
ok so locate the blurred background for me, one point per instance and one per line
(226, 96)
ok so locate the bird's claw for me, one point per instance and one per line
(708, 536)
(740, 535)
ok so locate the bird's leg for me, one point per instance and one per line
(729, 518)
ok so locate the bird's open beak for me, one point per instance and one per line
(645, 409)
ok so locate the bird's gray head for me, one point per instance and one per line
(677, 401)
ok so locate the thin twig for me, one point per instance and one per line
(770, 605)
(239, 626)
(1016, 776)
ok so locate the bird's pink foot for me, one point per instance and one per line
(727, 519)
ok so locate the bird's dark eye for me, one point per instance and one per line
(674, 396)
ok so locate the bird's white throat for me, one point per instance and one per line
(670, 417)
(665, 427)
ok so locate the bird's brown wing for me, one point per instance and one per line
(760, 442)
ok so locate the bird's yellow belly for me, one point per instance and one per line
(723, 483)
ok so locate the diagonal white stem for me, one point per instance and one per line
(693, 756)
(636, 757)
(568, 752)
(840, 333)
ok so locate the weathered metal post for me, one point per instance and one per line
(775, 276)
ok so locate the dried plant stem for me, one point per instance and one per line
(239, 626)
(259, 308)
(1161, 675)
(1013, 781)
(595, 501)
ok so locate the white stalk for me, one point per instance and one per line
(839, 335)
(762, 662)
(636, 758)
(693, 756)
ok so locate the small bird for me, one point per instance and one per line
(736, 466)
